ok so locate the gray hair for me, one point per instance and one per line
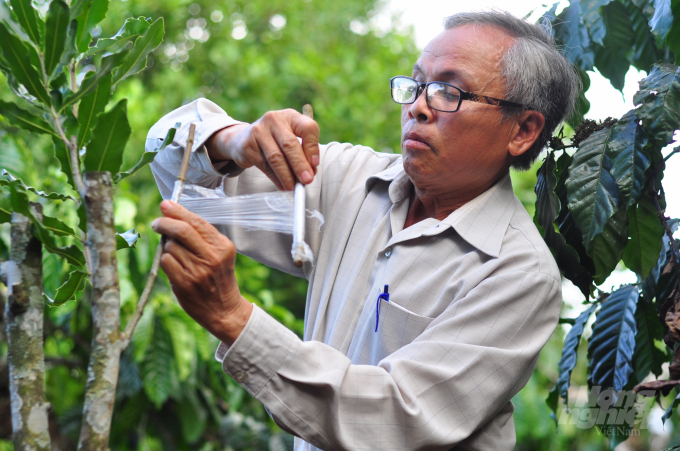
(536, 74)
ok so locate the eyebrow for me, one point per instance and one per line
(442, 76)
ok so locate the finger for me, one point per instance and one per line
(179, 230)
(292, 149)
(307, 129)
(269, 172)
(276, 160)
(183, 256)
(172, 268)
(206, 230)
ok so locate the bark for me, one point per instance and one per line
(24, 322)
(102, 372)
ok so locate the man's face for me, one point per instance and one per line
(446, 152)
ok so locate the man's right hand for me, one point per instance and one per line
(271, 144)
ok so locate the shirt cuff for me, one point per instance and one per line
(263, 347)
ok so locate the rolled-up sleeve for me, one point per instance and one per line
(433, 393)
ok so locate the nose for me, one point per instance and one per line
(420, 110)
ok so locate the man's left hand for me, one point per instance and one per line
(199, 261)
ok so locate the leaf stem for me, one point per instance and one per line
(151, 279)
(74, 86)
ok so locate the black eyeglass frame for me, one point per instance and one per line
(464, 95)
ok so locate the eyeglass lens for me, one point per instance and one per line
(439, 95)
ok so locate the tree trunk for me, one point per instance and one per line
(24, 319)
(102, 372)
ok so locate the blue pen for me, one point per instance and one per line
(386, 296)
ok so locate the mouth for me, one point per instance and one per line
(415, 141)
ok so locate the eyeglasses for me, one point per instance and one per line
(439, 96)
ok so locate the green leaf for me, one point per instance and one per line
(647, 357)
(129, 380)
(192, 415)
(25, 119)
(593, 20)
(571, 31)
(70, 49)
(156, 367)
(62, 154)
(128, 33)
(7, 19)
(582, 103)
(547, 210)
(55, 35)
(136, 59)
(27, 17)
(592, 192)
(570, 353)
(607, 248)
(671, 408)
(649, 285)
(658, 102)
(183, 344)
(57, 227)
(613, 65)
(6, 179)
(68, 290)
(629, 161)
(93, 79)
(662, 21)
(90, 13)
(91, 106)
(14, 52)
(643, 53)
(126, 240)
(611, 346)
(5, 216)
(673, 36)
(143, 333)
(148, 157)
(646, 238)
(105, 150)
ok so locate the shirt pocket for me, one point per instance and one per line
(397, 327)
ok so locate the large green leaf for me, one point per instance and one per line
(56, 29)
(646, 233)
(662, 21)
(14, 53)
(643, 53)
(673, 36)
(570, 352)
(629, 161)
(658, 102)
(143, 334)
(105, 150)
(28, 18)
(611, 346)
(6, 179)
(5, 217)
(62, 155)
(157, 366)
(128, 33)
(647, 357)
(58, 227)
(25, 119)
(69, 289)
(593, 20)
(193, 416)
(90, 13)
(147, 157)
(145, 44)
(70, 49)
(607, 248)
(183, 344)
(91, 106)
(610, 56)
(582, 103)
(547, 211)
(571, 31)
(592, 192)
(7, 19)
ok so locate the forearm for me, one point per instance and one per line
(219, 144)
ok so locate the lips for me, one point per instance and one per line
(415, 141)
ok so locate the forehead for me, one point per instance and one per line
(467, 53)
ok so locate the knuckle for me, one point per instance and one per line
(276, 159)
(289, 143)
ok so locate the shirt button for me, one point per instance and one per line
(388, 253)
(240, 377)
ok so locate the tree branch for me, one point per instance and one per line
(151, 279)
(24, 318)
(676, 150)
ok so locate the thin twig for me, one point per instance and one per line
(151, 279)
(676, 150)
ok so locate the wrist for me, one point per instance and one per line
(229, 327)
(218, 144)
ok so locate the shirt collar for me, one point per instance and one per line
(482, 222)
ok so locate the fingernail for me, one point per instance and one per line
(315, 160)
(154, 223)
(306, 177)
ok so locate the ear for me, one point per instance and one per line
(527, 129)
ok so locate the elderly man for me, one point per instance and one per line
(474, 293)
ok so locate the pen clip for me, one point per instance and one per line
(386, 296)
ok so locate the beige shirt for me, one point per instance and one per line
(473, 299)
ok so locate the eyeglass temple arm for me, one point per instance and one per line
(489, 100)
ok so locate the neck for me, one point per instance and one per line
(426, 203)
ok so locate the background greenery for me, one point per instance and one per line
(249, 57)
